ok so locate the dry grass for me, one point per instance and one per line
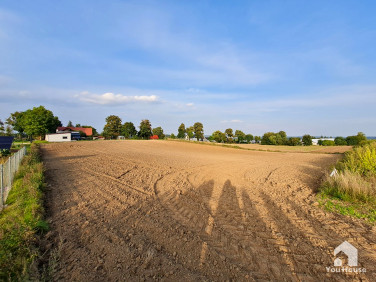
(348, 185)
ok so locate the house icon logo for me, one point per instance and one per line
(344, 252)
(350, 251)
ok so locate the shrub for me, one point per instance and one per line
(356, 140)
(356, 178)
(327, 143)
(340, 141)
(361, 160)
(4, 152)
(271, 138)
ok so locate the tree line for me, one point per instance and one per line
(38, 121)
(115, 128)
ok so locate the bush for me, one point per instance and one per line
(361, 160)
(271, 138)
(4, 152)
(340, 141)
(356, 140)
(327, 143)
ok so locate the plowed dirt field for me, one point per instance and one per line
(175, 211)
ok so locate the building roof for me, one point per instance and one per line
(87, 130)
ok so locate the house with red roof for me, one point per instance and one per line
(87, 130)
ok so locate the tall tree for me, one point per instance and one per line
(113, 127)
(129, 130)
(181, 131)
(249, 138)
(190, 132)
(219, 136)
(39, 121)
(159, 131)
(15, 121)
(307, 140)
(1, 128)
(70, 124)
(198, 129)
(145, 129)
(229, 134)
(78, 125)
(240, 135)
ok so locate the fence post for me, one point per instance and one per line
(2, 185)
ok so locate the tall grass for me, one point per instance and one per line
(21, 220)
(356, 178)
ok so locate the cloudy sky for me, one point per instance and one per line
(298, 66)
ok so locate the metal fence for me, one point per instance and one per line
(7, 172)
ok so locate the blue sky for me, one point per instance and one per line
(298, 66)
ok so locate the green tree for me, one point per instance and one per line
(229, 134)
(39, 121)
(219, 136)
(181, 131)
(145, 129)
(78, 125)
(159, 131)
(356, 139)
(249, 138)
(294, 141)
(1, 128)
(70, 124)
(172, 136)
(240, 135)
(307, 140)
(340, 141)
(128, 130)
(82, 134)
(112, 127)
(15, 121)
(269, 139)
(190, 132)
(283, 138)
(198, 129)
(257, 139)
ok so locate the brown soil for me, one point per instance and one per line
(173, 211)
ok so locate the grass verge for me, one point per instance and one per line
(21, 222)
(353, 190)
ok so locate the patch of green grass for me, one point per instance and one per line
(366, 211)
(21, 221)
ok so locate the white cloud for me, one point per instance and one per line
(112, 99)
(232, 121)
(190, 104)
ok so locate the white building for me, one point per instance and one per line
(59, 137)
